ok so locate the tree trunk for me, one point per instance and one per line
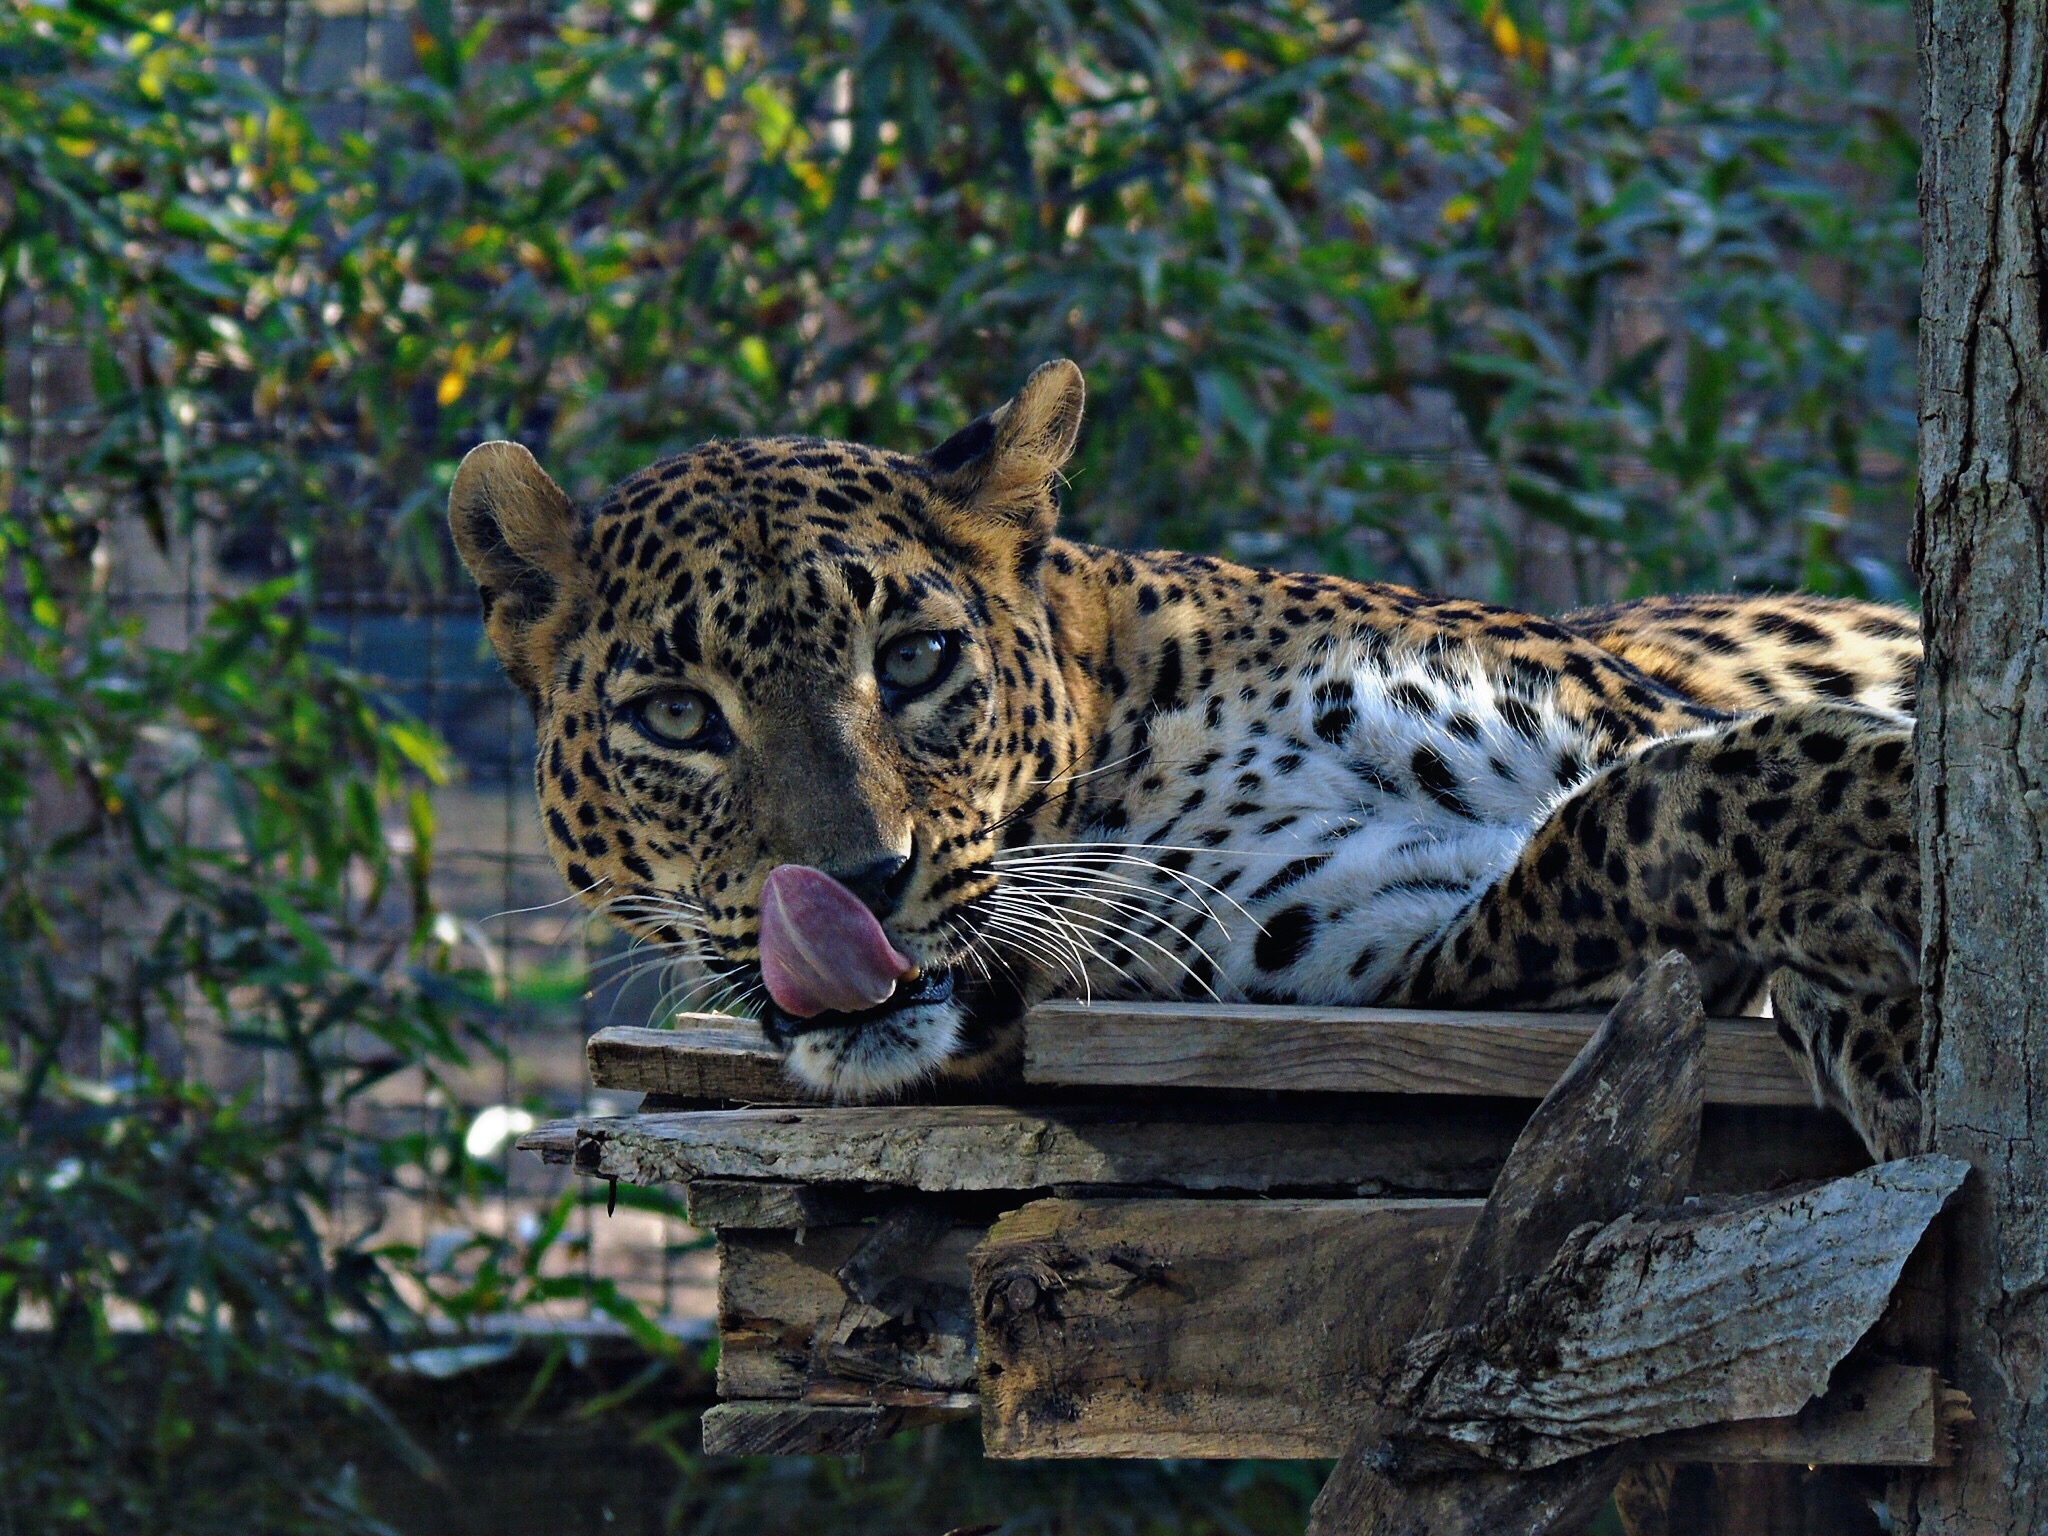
(1982, 548)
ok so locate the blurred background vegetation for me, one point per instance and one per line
(1547, 302)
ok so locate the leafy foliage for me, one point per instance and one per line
(1626, 310)
(1400, 290)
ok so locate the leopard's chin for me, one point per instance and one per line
(879, 1053)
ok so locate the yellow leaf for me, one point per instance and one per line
(451, 388)
(1459, 208)
(754, 360)
(1236, 60)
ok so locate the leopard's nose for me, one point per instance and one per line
(879, 883)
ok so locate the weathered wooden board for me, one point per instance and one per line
(988, 1147)
(1364, 1050)
(1378, 1144)
(804, 1429)
(706, 1057)
(1198, 1328)
(1258, 1328)
(1877, 1416)
(1240, 1046)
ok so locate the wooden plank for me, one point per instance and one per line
(1880, 1416)
(1165, 1328)
(706, 1058)
(990, 1147)
(1364, 1050)
(804, 1429)
(1382, 1144)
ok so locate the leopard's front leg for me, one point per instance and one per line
(1779, 846)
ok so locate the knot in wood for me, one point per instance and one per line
(1020, 1294)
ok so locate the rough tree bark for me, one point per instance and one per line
(1982, 549)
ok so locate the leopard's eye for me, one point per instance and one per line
(677, 717)
(912, 663)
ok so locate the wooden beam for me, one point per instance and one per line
(1364, 1050)
(1875, 1416)
(1883, 1415)
(711, 1059)
(1198, 1327)
(805, 1429)
(1378, 1145)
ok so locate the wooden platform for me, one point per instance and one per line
(1245, 1208)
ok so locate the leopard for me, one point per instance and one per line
(861, 741)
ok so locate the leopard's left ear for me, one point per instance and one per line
(1003, 464)
(515, 530)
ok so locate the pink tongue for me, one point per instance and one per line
(821, 950)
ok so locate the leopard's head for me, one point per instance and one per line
(788, 694)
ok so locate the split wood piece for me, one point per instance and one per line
(1381, 1144)
(1652, 1324)
(1363, 1050)
(804, 1429)
(706, 1058)
(1619, 1130)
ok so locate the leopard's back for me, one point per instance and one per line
(1743, 653)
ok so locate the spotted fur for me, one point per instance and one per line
(1163, 775)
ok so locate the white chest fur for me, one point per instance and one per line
(1295, 841)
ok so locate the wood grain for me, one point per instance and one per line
(1198, 1328)
(768, 1205)
(1379, 1144)
(1670, 1322)
(1201, 1328)
(706, 1058)
(805, 1429)
(1364, 1050)
(789, 1328)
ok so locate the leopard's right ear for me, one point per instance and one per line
(516, 532)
